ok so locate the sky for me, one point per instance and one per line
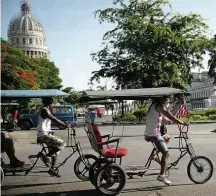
(72, 32)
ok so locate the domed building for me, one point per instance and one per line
(26, 32)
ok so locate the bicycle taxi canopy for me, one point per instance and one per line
(20, 94)
(130, 94)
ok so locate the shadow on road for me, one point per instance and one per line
(89, 191)
(155, 188)
(66, 193)
(7, 187)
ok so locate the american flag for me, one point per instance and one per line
(183, 111)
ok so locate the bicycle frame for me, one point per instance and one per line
(71, 143)
(75, 147)
(184, 146)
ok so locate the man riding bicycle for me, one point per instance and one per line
(155, 116)
(54, 143)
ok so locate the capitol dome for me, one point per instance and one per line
(27, 33)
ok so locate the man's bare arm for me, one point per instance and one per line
(165, 119)
(169, 115)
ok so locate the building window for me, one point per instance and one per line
(37, 41)
(35, 53)
(24, 41)
(17, 40)
(27, 52)
(40, 42)
(30, 41)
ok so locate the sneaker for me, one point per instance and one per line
(163, 179)
(52, 172)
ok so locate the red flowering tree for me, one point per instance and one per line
(17, 70)
(20, 72)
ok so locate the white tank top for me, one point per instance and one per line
(153, 122)
(44, 126)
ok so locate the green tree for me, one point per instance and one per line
(149, 47)
(74, 95)
(17, 70)
(212, 60)
(48, 73)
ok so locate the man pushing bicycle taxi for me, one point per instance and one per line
(156, 113)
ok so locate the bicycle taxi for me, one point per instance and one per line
(108, 175)
(83, 162)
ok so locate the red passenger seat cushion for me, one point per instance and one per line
(111, 152)
(97, 133)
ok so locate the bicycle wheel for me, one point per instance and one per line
(80, 169)
(200, 165)
(94, 168)
(110, 179)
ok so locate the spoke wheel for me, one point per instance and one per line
(94, 168)
(200, 169)
(110, 179)
(80, 169)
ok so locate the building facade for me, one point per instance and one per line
(202, 91)
(27, 33)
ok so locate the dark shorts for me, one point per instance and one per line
(158, 141)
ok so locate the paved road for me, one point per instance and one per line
(42, 184)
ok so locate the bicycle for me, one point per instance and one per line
(105, 172)
(72, 143)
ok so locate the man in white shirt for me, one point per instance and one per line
(54, 143)
(157, 112)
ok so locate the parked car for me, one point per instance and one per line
(29, 118)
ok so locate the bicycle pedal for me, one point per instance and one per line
(33, 156)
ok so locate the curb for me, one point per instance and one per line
(139, 123)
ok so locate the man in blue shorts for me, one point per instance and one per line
(157, 112)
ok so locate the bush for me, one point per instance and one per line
(210, 112)
(127, 117)
(201, 112)
(197, 117)
(204, 118)
(130, 117)
(140, 113)
(212, 117)
(117, 117)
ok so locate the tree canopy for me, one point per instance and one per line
(74, 95)
(48, 74)
(17, 70)
(212, 60)
(20, 72)
(149, 47)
